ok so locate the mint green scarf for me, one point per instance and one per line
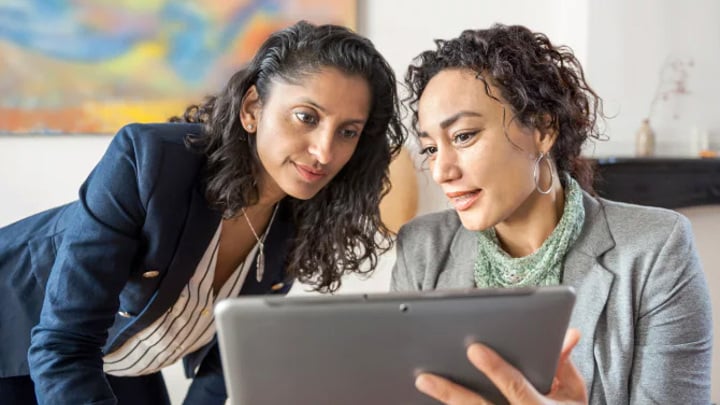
(495, 268)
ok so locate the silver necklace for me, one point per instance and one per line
(260, 262)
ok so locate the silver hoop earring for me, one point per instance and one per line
(536, 173)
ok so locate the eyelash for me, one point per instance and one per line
(306, 118)
(310, 119)
(426, 150)
(469, 135)
(349, 134)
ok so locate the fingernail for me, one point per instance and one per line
(479, 351)
(424, 383)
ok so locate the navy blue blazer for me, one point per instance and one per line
(86, 276)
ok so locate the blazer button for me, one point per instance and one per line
(151, 274)
(277, 286)
(124, 314)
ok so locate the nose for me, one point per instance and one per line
(322, 143)
(444, 166)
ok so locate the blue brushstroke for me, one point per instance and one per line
(49, 27)
(196, 42)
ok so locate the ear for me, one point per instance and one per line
(545, 134)
(250, 110)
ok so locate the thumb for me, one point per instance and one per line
(572, 337)
(564, 365)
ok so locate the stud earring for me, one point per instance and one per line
(250, 127)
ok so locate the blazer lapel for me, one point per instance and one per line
(591, 281)
(200, 225)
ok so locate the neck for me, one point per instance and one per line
(527, 229)
(269, 193)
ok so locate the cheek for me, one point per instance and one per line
(345, 152)
(276, 141)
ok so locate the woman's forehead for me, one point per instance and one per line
(453, 91)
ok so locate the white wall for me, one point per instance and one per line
(40, 172)
(628, 41)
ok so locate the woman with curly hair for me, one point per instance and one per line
(502, 115)
(278, 177)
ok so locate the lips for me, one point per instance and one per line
(308, 173)
(463, 200)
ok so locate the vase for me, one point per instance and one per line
(645, 140)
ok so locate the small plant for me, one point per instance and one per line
(672, 81)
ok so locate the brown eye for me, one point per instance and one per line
(306, 118)
(463, 137)
(349, 133)
(428, 151)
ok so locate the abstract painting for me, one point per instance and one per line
(91, 66)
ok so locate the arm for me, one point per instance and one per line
(92, 266)
(673, 338)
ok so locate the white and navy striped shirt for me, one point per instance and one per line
(186, 327)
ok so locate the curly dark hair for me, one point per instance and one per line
(340, 227)
(536, 79)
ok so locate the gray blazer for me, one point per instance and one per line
(642, 306)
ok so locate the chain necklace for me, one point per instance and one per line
(260, 262)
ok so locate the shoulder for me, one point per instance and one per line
(428, 246)
(156, 155)
(438, 228)
(149, 145)
(642, 226)
(153, 136)
(435, 238)
(635, 241)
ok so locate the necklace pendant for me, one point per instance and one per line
(260, 265)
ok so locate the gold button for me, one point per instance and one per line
(277, 286)
(124, 314)
(204, 312)
(151, 274)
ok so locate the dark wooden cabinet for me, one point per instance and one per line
(660, 182)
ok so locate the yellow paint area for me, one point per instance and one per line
(113, 115)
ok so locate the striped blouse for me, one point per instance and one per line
(186, 327)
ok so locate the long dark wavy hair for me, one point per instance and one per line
(339, 228)
(536, 79)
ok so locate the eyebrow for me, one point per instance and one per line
(322, 109)
(452, 119)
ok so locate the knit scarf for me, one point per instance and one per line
(495, 268)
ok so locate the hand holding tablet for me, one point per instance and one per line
(568, 386)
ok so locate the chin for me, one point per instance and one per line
(302, 193)
(472, 222)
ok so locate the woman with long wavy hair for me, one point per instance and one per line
(278, 177)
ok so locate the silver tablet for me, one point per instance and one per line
(367, 349)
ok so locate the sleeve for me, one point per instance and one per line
(673, 341)
(82, 293)
(402, 278)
